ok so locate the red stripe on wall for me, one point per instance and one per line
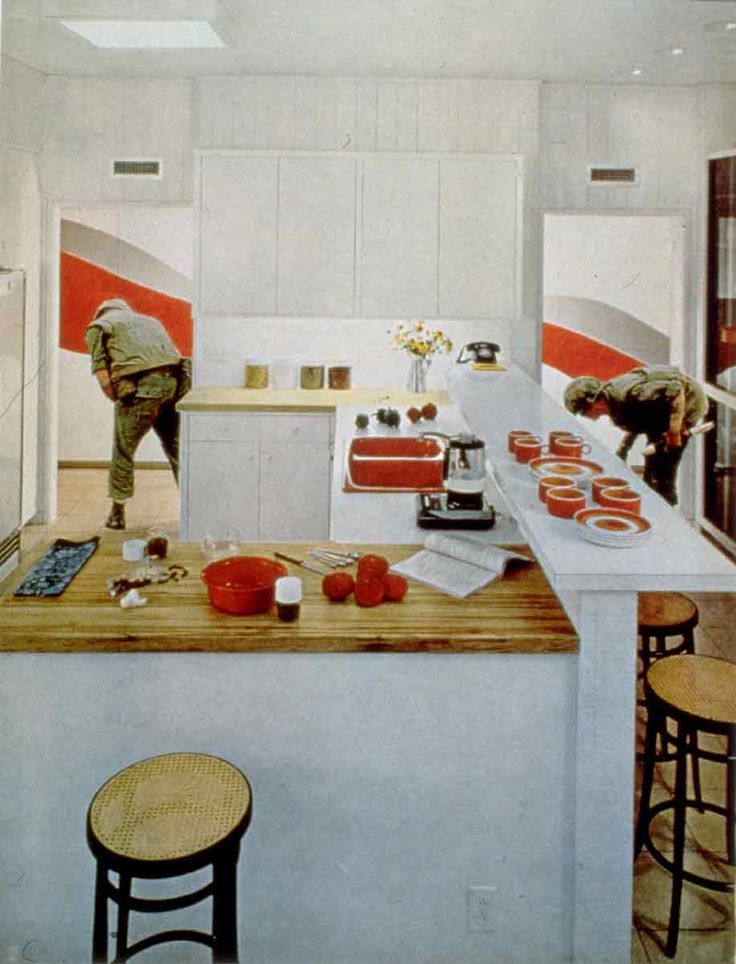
(574, 354)
(85, 285)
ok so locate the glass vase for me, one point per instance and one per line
(418, 373)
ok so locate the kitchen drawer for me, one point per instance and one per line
(260, 426)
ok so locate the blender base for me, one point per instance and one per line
(432, 513)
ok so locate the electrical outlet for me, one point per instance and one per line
(480, 908)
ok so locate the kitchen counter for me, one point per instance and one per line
(516, 614)
(230, 399)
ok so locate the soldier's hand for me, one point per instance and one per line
(103, 377)
(673, 440)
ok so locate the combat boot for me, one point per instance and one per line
(116, 519)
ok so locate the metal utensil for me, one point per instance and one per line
(312, 566)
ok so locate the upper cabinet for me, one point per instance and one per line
(388, 236)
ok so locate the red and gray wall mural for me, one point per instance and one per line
(153, 275)
(96, 266)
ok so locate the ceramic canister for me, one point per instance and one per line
(256, 375)
(312, 376)
(565, 501)
(620, 498)
(601, 482)
(548, 482)
(338, 377)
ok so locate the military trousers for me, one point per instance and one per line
(153, 406)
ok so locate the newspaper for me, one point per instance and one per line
(455, 565)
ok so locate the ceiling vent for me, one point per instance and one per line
(612, 175)
(136, 167)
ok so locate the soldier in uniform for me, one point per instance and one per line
(139, 368)
(658, 401)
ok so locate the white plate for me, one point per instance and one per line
(612, 527)
(580, 470)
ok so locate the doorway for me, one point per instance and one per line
(142, 253)
(614, 298)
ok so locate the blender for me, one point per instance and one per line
(463, 505)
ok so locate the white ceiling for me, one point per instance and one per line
(590, 41)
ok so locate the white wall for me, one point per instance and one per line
(21, 212)
(384, 785)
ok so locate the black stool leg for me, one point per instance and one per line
(650, 752)
(121, 940)
(225, 910)
(99, 925)
(731, 796)
(678, 852)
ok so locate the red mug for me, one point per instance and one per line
(601, 482)
(571, 446)
(565, 501)
(514, 434)
(548, 482)
(621, 497)
(528, 447)
(559, 433)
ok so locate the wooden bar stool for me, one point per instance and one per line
(161, 818)
(698, 695)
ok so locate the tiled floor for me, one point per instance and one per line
(707, 920)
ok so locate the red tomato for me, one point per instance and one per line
(429, 411)
(413, 414)
(337, 585)
(368, 591)
(396, 586)
(375, 566)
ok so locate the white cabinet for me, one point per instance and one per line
(238, 207)
(398, 250)
(372, 236)
(258, 476)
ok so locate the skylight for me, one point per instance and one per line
(146, 34)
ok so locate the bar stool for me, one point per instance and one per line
(698, 695)
(663, 616)
(161, 818)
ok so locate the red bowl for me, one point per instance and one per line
(242, 584)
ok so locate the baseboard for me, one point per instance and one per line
(93, 464)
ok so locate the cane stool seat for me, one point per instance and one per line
(661, 616)
(697, 694)
(163, 817)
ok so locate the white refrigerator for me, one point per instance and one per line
(12, 298)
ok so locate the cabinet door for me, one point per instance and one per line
(237, 230)
(399, 238)
(223, 490)
(317, 236)
(477, 267)
(295, 490)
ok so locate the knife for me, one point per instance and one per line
(313, 567)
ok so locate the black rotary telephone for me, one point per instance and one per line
(479, 351)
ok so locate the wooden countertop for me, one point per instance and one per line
(208, 398)
(516, 614)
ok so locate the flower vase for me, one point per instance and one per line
(418, 373)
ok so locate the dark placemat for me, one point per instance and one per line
(57, 567)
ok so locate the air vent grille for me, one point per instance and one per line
(612, 175)
(131, 167)
(9, 546)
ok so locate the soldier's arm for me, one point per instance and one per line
(673, 436)
(96, 344)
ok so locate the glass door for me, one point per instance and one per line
(720, 355)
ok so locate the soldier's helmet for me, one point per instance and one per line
(109, 305)
(581, 393)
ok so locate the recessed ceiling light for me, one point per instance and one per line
(637, 71)
(731, 25)
(676, 51)
(146, 34)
